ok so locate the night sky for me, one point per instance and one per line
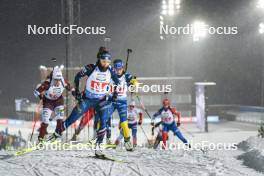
(233, 62)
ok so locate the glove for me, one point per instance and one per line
(152, 124)
(152, 131)
(140, 122)
(134, 82)
(178, 124)
(114, 97)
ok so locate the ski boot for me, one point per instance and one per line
(53, 137)
(128, 145)
(40, 142)
(74, 137)
(98, 151)
(134, 142)
(108, 141)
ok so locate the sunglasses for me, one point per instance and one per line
(105, 61)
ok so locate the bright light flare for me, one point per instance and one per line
(199, 30)
(261, 28)
(260, 4)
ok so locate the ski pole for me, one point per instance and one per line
(145, 134)
(143, 107)
(128, 52)
(35, 119)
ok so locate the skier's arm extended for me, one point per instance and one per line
(131, 80)
(116, 83)
(68, 86)
(178, 114)
(155, 115)
(41, 88)
(86, 70)
(155, 126)
(114, 77)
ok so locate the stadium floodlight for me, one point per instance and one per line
(260, 4)
(164, 7)
(171, 12)
(164, 12)
(168, 7)
(171, 1)
(177, 2)
(199, 30)
(261, 28)
(171, 7)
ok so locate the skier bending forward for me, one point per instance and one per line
(96, 96)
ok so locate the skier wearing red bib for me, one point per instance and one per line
(168, 123)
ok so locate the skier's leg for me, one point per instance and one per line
(108, 125)
(177, 132)
(122, 111)
(84, 121)
(134, 133)
(164, 135)
(77, 113)
(108, 131)
(158, 139)
(120, 137)
(103, 118)
(59, 114)
(46, 114)
(96, 124)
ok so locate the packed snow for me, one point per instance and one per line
(144, 161)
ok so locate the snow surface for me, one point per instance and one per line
(254, 153)
(142, 161)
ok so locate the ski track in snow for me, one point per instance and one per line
(145, 162)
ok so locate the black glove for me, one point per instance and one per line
(152, 131)
(140, 122)
(114, 97)
(178, 124)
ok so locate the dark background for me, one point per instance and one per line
(233, 62)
